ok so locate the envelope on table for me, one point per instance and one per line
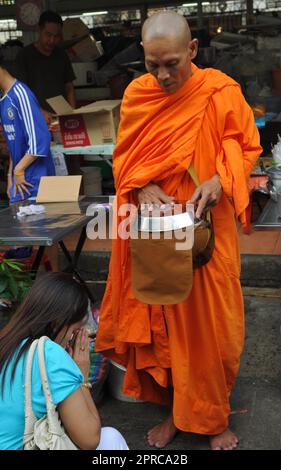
(59, 188)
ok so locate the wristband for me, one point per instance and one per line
(87, 385)
(19, 174)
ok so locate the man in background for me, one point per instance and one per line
(27, 137)
(45, 67)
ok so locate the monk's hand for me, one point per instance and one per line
(206, 195)
(21, 185)
(153, 194)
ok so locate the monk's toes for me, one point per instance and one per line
(159, 445)
(230, 446)
(216, 445)
(151, 439)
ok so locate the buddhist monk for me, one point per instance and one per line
(175, 115)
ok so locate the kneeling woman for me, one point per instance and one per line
(56, 306)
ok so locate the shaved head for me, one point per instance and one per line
(168, 49)
(164, 25)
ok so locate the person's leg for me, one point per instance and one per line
(227, 440)
(163, 433)
(111, 439)
(200, 368)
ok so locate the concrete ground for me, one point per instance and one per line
(256, 399)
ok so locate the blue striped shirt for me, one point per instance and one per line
(26, 133)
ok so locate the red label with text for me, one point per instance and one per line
(74, 131)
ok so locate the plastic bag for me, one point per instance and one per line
(276, 151)
(99, 364)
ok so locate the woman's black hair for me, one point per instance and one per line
(54, 301)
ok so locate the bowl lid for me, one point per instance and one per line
(164, 224)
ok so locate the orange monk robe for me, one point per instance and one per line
(195, 344)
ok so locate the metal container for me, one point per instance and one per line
(115, 383)
(274, 184)
(164, 218)
(165, 223)
(270, 218)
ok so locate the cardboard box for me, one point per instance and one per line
(84, 47)
(87, 50)
(94, 124)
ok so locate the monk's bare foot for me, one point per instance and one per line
(162, 434)
(224, 441)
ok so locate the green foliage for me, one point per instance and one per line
(14, 280)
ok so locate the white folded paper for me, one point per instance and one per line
(31, 210)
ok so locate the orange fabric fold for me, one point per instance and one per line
(196, 345)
